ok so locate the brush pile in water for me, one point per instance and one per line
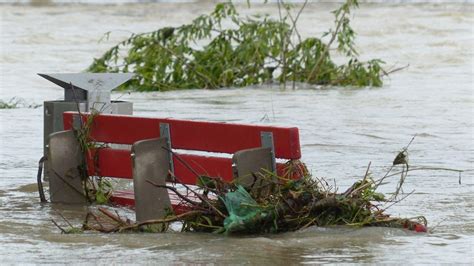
(271, 204)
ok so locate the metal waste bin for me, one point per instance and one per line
(82, 92)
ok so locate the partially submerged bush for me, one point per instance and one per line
(224, 49)
(16, 102)
(8, 105)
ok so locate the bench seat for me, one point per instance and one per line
(127, 198)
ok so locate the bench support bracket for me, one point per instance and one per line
(250, 166)
(166, 133)
(267, 142)
(64, 160)
(150, 168)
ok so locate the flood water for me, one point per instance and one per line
(341, 131)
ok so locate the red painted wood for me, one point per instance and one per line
(203, 165)
(118, 163)
(188, 135)
(110, 162)
(127, 198)
(192, 135)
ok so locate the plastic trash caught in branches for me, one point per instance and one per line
(244, 211)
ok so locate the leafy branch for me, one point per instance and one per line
(224, 49)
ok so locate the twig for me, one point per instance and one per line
(295, 20)
(182, 161)
(308, 224)
(64, 218)
(403, 176)
(111, 215)
(386, 73)
(175, 191)
(96, 219)
(76, 101)
(409, 143)
(379, 182)
(433, 228)
(397, 201)
(60, 228)
(428, 168)
(352, 190)
(323, 55)
(67, 183)
(197, 175)
(118, 215)
(366, 172)
(165, 220)
(283, 41)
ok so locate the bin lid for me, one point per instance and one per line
(88, 81)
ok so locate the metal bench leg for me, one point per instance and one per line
(150, 163)
(64, 159)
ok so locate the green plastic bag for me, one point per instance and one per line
(244, 212)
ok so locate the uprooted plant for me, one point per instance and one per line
(224, 49)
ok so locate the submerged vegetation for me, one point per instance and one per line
(16, 102)
(225, 49)
(8, 105)
(291, 205)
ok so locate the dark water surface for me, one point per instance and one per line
(341, 130)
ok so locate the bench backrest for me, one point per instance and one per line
(184, 135)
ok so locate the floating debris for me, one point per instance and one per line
(293, 204)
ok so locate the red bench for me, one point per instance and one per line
(184, 135)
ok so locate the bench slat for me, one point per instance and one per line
(127, 198)
(118, 163)
(110, 162)
(192, 135)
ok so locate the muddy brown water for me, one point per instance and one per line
(342, 130)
